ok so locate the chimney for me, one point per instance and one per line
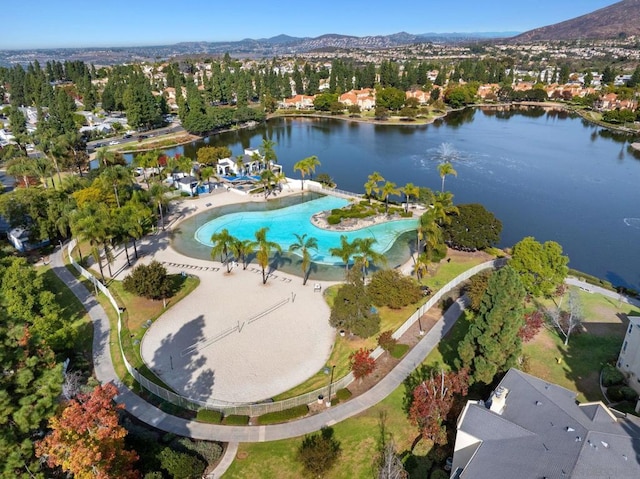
(498, 399)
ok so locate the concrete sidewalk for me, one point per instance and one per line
(153, 416)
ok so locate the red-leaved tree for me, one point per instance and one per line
(87, 440)
(533, 323)
(433, 400)
(361, 363)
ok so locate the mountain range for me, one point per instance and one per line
(620, 20)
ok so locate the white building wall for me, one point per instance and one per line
(629, 358)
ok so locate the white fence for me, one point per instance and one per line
(257, 409)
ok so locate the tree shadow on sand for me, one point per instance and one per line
(178, 361)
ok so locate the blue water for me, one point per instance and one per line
(283, 223)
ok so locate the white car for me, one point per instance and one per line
(113, 142)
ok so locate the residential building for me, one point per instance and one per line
(531, 429)
(629, 357)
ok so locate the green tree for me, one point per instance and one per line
(388, 189)
(306, 167)
(352, 309)
(323, 101)
(222, 244)
(319, 452)
(149, 281)
(445, 169)
(304, 244)
(541, 267)
(366, 255)
(209, 155)
(345, 251)
(492, 344)
(410, 190)
(390, 98)
(473, 228)
(264, 247)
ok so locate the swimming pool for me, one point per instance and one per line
(284, 222)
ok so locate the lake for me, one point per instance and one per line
(544, 173)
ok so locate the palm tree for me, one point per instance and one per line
(92, 223)
(242, 249)
(304, 244)
(41, 167)
(20, 167)
(344, 251)
(306, 167)
(263, 253)
(157, 195)
(422, 266)
(222, 243)
(138, 221)
(366, 255)
(409, 190)
(268, 153)
(389, 188)
(266, 179)
(445, 169)
(442, 207)
(240, 164)
(116, 176)
(432, 232)
(146, 160)
(371, 186)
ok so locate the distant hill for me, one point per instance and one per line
(619, 20)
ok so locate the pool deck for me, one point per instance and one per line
(233, 339)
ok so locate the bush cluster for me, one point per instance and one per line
(209, 416)
(283, 416)
(390, 288)
(149, 281)
(611, 376)
(236, 420)
(622, 393)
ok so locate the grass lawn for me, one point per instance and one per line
(446, 271)
(72, 310)
(357, 437)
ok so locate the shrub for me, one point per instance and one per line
(391, 288)
(399, 350)
(181, 465)
(318, 452)
(343, 394)
(333, 219)
(210, 416)
(611, 376)
(533, 322)
(149, 281)
(472, 228)
(236, 420)
(439, 474)
(386, 340)
(283, 416)
(209, 451)
(622, 393)
(362, 364)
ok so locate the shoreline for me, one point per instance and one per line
(393, 121)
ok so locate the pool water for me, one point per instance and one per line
(285, 222)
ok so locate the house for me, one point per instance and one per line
(530, 428)
(364, 98)
(19, 238)
(187, 184)
(299, 102)
(629, 357)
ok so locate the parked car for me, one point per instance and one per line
(114, 142)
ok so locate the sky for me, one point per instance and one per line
(103, 23)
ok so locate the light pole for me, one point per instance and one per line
(419, 322)
(328, 400)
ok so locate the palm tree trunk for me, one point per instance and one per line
(264, 276)
(126, 252)
(161, 215)
(135, 249)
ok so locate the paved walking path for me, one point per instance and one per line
(153, 416)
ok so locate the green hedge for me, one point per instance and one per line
(210, 416)
(283, 416)
(343, 394)
(236, 420)
(399, 350)
(591, 279)
(622, 393)
(611, 376)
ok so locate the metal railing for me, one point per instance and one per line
(257, 409)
